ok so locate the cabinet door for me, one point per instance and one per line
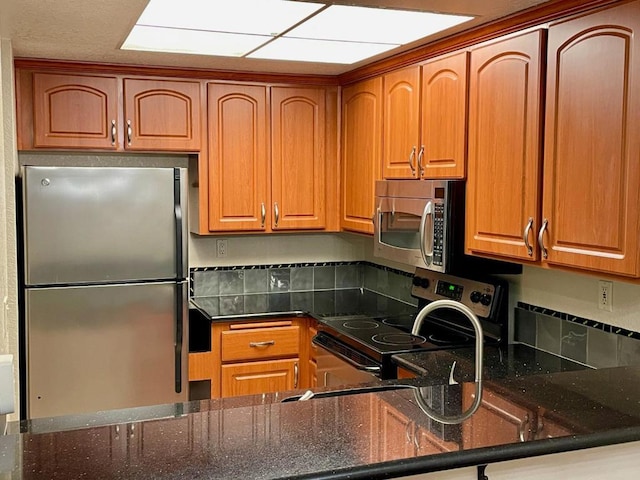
(592, 146)
(238, 157)
(401, 128)
(503, 181)
(74, 111)
(162, 115)
(259, 377)
(298, 170)
(361, 164)
(444, 117)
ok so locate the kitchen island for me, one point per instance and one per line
(383, 434)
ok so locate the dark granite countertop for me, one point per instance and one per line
(339, 437)
(319, 304)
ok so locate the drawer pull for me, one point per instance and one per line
(262, 344)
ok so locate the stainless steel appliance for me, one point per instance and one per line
(105, 288)
(367, 343)
(421, 223)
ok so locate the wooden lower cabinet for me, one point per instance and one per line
(260, 377)
(254, 356)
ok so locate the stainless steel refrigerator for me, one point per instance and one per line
(105, 288)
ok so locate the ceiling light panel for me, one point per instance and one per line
(378, 25)
(160, 39)
(260, 17)
(322, 51)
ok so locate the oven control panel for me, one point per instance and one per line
(431, 286)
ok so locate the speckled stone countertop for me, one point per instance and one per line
(336, 437)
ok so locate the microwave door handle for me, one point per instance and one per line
(426, 255)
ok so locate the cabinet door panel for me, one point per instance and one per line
(401, 123)
(238, 158)
(361, 164)
(74, 111)
(259, 377)
(444, 116)
(504, 145)
(592, 143)
(163, 115)
(298, 158)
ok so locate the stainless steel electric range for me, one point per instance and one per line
(359, 348)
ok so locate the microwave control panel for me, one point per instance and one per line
(438, 233)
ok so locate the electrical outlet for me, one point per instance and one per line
(221, 247)
(605, 295)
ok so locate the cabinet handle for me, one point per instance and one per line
(420, 155)
(545, 253)
(113, 132)
(262, 344)
(263, 214)
(295, 375)
(522, 428)
(276, 212)
(525, 237)
(412, 156)
(129, 132)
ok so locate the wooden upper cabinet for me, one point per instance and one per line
(298, 161)
(361, 162)
(74, 111)
(83, 111)
(425, 119)
(444, 117)
(592, 144)
(238, 157)
(162, 115)
(401, 127)
(504, 153)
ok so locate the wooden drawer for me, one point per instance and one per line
(259, 377)
(260, 343)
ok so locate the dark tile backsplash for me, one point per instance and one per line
(299, 278)
(580, 339)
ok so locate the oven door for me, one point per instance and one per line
(338, 365)
(410, 231)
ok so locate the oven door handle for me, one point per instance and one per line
(427, 256)
(374, 369)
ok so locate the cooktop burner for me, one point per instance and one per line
(448, 338)
(399, 339)
(360, 324)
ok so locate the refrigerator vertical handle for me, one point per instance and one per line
(179, 339)
(177, 206)
(179, 267)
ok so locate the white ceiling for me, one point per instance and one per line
(93, 30)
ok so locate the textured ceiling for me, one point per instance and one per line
(93, 30)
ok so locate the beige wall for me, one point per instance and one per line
(8, 162)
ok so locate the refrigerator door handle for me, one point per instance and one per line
(179, 338)
(177, 205)
(179, 267)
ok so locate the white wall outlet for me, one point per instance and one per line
(605, 295)
(221, 247)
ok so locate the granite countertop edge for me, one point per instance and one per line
(478, 456)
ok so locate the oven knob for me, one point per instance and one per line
(424, 282)
(485, 300)
(475, 296)
(416, 281)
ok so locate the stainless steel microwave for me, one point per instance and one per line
(421, 223)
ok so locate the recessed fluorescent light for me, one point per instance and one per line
(323, 51)
(379, 25)
(260, 17)
(159, 39)
(315, 32)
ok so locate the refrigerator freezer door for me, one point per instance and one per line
(103, 347)
(102, 225)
